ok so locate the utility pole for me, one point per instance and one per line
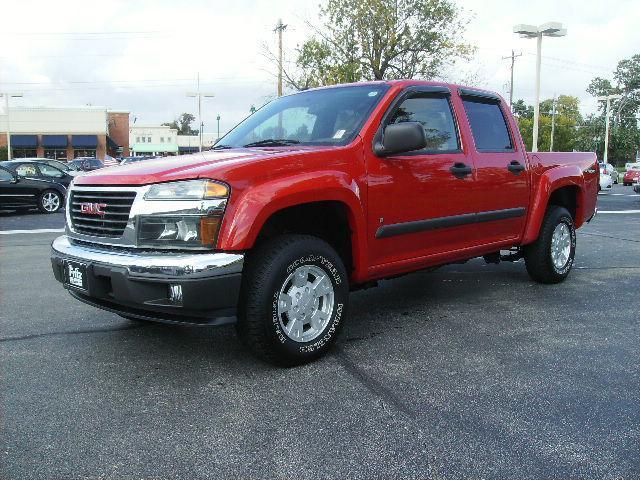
(218, 119)
(607, 115)
(6, 96)
(513, 57)
(199, 95)
(553, 122)
(280, 27)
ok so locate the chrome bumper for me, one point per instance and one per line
(153, 263)
(162, 286)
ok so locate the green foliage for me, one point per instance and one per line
(3, 153)
(567, 119)
(379, 40)
(183, 124)
(624, 139)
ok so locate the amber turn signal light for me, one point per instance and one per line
(209, 227)
(215, 190)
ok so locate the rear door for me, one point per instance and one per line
(502, 173)
(419, 201)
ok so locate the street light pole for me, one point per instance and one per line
(551, 29)
(218, 119)
(607, 115)
(6, 96)
(199, 95)
(553, 123)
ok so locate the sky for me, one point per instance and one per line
(144, 56)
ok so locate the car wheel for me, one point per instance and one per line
(50, 201)
(293, 300)
(550, 258)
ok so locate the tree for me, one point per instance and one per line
(568, 119)
(624, 139)
(380, 40)
(3, 153)
(183, 124)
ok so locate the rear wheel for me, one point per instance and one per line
(550, 258)
(293, 301)
(50, 201)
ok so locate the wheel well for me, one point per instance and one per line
(326, 220)
(566, 197)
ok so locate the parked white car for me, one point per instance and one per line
(606, 182)
(609, 170)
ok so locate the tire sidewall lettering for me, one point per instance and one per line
(336, 317)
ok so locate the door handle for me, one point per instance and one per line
(515, 167)
(460, 170)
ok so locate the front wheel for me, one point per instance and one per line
(50, 201)
(294, 298)
(550, 258)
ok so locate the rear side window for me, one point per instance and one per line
(434, 113)
(488, 126)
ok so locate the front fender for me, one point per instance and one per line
(251, 207)
(548, 182)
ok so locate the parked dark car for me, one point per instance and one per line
(87, 164)
(39, 170)
(23, 193)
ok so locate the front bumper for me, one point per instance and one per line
(136, 283)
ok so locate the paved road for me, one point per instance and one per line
(469, 371)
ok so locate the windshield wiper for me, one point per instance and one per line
(221, 147)
(272, 142)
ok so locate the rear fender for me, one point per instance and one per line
(547, 183)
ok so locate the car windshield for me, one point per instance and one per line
(328, 116)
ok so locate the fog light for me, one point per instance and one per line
(175, 293)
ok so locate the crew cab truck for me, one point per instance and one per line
(316, 194)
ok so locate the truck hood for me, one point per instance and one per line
(211, 164)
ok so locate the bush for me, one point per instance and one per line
(3, 153)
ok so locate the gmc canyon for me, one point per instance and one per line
(316, 194)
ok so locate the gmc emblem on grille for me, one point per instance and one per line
(93, 208)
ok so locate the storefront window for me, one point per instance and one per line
(55, 153)
(84, 153)
(23, 152)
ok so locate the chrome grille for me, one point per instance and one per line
(117, 205)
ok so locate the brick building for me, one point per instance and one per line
(65, 133)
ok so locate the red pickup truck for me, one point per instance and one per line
(316, 194)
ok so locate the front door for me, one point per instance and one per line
(417, 201)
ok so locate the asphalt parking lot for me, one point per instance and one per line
(472, 371)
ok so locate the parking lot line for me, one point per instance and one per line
(618, 211)
(36, 230)
(607, 194)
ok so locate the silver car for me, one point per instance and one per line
(610, 170)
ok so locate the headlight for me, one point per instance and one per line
(193, 223)
(187, 190)
(178, 231)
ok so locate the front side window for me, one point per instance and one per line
(27, 170)
(328, 116)
(488, 125)
(434, 114)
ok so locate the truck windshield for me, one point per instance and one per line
(329, 116)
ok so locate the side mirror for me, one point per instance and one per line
(401, 138)
(16, 179)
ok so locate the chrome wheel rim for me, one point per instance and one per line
(560, 246)
(305, 303)
(50, 202)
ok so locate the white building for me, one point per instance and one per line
(154, 141)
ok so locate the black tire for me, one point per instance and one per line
(49, 194)
(538, 256)
(267, 270)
